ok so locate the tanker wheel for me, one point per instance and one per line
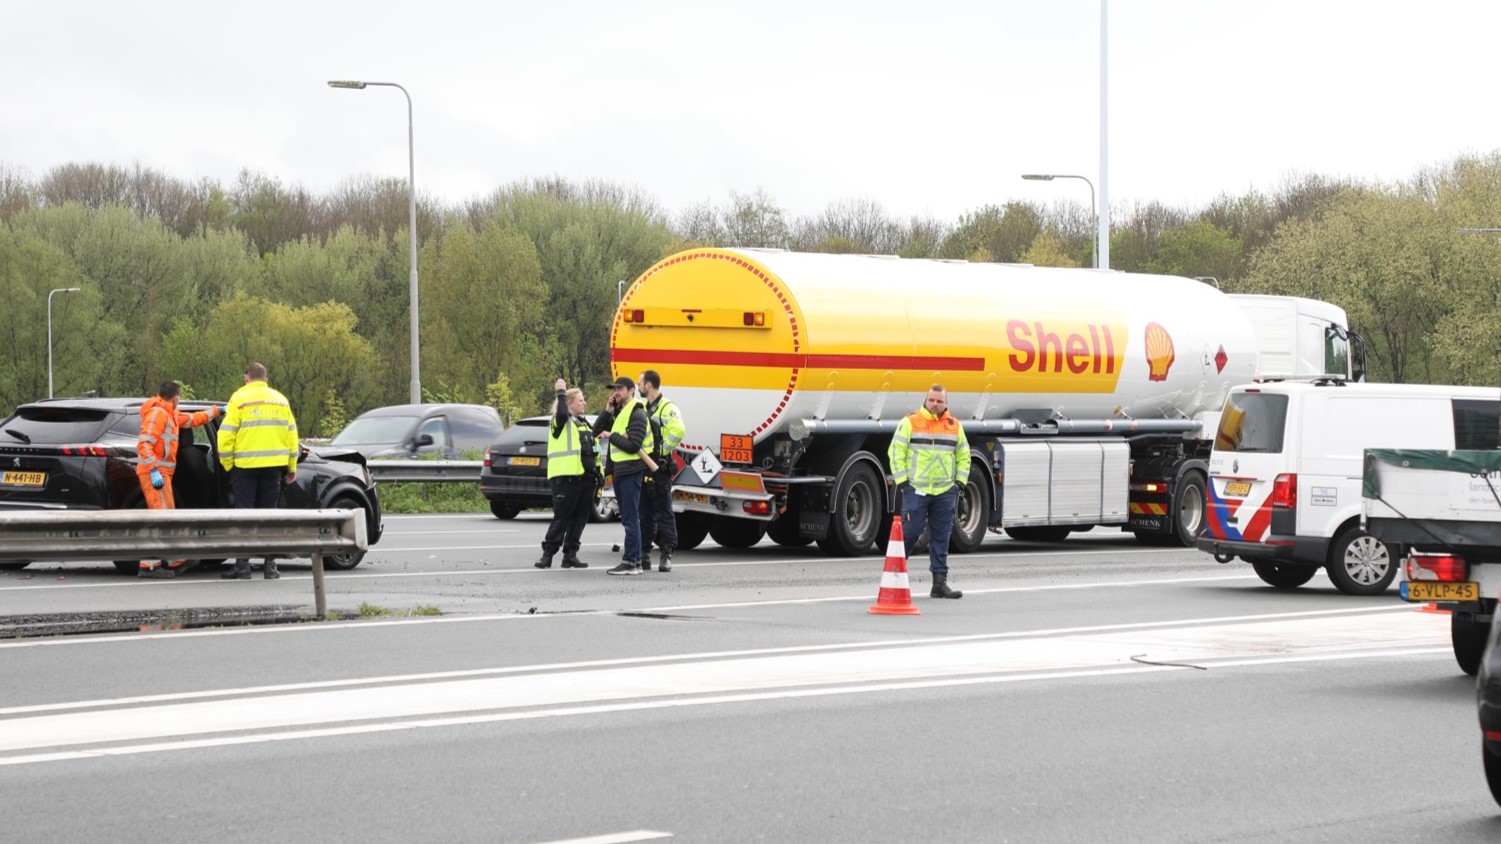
(858, 510)
(1188, 510)
(736, 533)
(971, 513)
(692, 528)
(783, 531)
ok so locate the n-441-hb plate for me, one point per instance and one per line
(24, 478)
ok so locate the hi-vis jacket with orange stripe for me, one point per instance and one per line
(160, 422)
(929, 452)
(259, 431)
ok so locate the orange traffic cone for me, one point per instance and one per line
(895, 597)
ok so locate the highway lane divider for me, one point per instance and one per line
(426, 471)
(74, 535)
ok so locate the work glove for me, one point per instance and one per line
(156, 479)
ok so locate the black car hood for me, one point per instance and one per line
(333, 452)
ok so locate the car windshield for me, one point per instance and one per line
(525, 432)
(55, 425)
(375, 430)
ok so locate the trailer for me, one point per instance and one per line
(1085, 395)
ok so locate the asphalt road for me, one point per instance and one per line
(1095, 690)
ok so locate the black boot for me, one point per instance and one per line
(666, 564)
(241, 571)
(271, 571)
(941, 587)
(545, 561)
(572, 561)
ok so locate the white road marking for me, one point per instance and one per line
(310, 627)
(877, 562)
(616, 837)
(695, 681)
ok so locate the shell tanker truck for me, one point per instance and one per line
(1088, 397)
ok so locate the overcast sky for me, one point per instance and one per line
(929, 108)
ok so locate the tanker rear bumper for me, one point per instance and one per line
(714, 501)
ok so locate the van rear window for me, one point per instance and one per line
(1252, 422)
(1475, 423)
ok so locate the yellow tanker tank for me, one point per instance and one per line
(750, 341)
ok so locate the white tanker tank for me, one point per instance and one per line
(760, 347)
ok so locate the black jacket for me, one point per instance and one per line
(635, 433)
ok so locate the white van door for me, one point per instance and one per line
(1251, 448)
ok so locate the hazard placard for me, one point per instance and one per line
(705, 466)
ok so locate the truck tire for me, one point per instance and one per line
(859, 508)
(783, 531)
(971, 512)
(1188, 509)
(1468, 637)
(692, 528)
(736, 533)
(1284, 576)
(1361, 564)
(1044, 533)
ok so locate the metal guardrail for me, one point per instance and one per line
(53, 535)
(426, 471)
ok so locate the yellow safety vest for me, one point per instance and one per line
(621, 428)
(930, 452)
(259, 430)
(564, 456)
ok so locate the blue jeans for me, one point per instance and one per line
(936, 512)
(628, 497)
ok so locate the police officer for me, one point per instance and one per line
(571, 473)
(929, 460)
(626, 438)
(258, 447)
(657, 521)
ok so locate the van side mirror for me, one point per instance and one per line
(422, 441)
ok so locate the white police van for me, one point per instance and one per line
(1285, 472)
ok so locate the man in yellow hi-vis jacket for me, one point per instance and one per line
(929, 459)
(259, 448)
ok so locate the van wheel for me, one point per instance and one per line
(692, 528)
(1361, 564)
(1188, 510)
(971, 513)
(1468, 637)
(1284, 576)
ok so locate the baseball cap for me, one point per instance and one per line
(622, 381)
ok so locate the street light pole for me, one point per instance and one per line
(1048, 177)
(49, 331)
(411, 221)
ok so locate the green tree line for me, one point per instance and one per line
(190, 280)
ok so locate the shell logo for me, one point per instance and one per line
(1160, 354)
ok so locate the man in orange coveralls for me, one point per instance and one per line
(157, 449)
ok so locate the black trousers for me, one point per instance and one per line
(658, 525)
(256, 489)
(572, 499)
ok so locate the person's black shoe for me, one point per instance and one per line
(545, 562)
(241, 571)
(666, 564)
(625, 569)
(272, 572)
(574, 563)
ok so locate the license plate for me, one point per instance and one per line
(1433, 590)
(24, 479)
(1237, 487)
(679, 495)
(524, 461)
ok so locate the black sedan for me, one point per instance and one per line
(80, 454)
(514, 477)
(1489, 694)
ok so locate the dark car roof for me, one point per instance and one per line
(108, 403)
(415, 409)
